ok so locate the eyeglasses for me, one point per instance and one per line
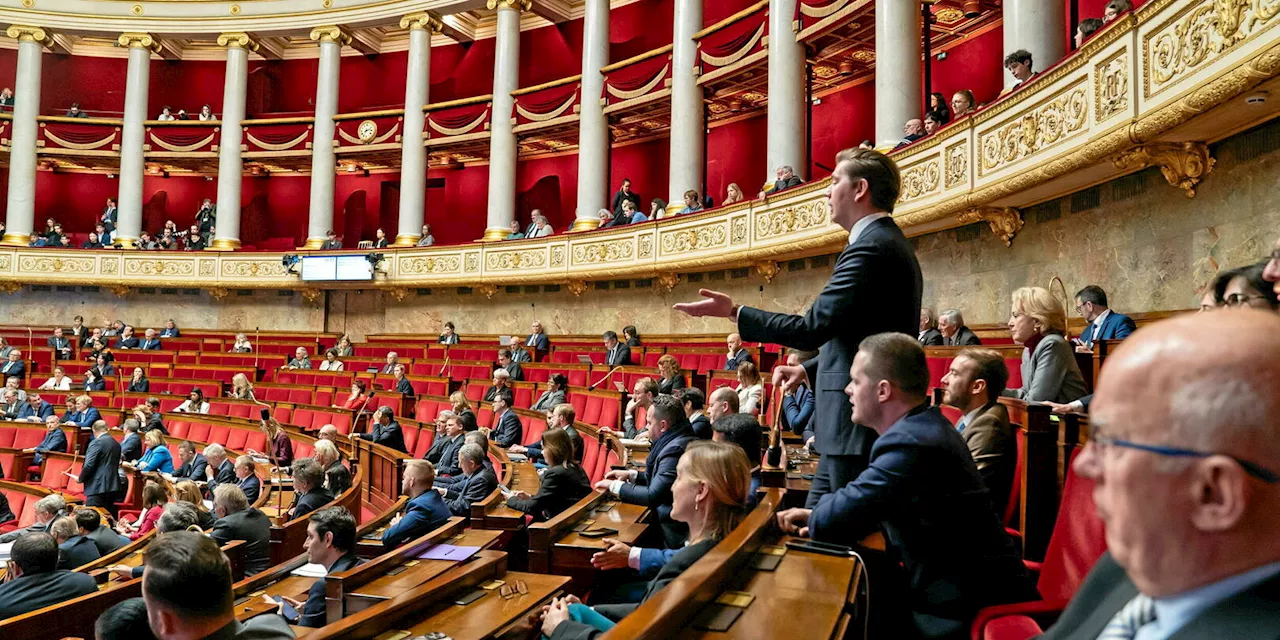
(1096, 438)
(1241, 299)
(1275, 255)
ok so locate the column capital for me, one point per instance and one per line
(139, 41)
(516, 5)
(331, 33)
(238, 40)
(27, 33)
(423, 20)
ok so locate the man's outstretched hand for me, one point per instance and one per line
(713, 304)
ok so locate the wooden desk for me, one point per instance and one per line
(491, 614)
(524, 477)
(417, 572)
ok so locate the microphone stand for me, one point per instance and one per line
(275, 464)
(606, 377)
(773, 457)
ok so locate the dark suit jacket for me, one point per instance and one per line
(389, 435)
(194, 469)
(77, 551)
(994, 448)
(619, 196)
(26, 411)
(797, 412)
(925, 493)
(670, 385)
(444, 455)
(779, 185)
(963, 338)
(61, 345)
(127, 343)
(538, 341)
(330, 244)
(251, 486)
(516, 371)
(1115, 326)
(14, 370)
(701, 427)
(224, 473)
(652, 487)
(681, 561)
(54, 440)
(561, 487)
(141, 386)
(314, 612)
(252, 526)
(619, 355)
(100, 473)
(37, 591)
(310, 501)
(878, 271)
(508, 431)
(405, 388)
(337, 478)
(170, 333)
(131, 448)
(1254, 614)
(731, 364)
(521, 355)
(422, 515)
(107, 540)
(150, 345)
(931, 338)
(468, 489)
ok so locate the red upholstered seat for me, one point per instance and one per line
(475, 391)
(17, 504)
(303, 449)
(27, 516)
(7, 435)
(218, 434)
(609, 414)
(591, 414)
(590, 453)
(179, 428)
(199, 431)
(236, 439)
(28, 438)
(603, 463)
(484, 417)
(533, 429)
(52, 477)
(577, 377)
(257, 441)
(524, 398)
(1011, 628)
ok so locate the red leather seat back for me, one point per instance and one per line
(1077, 542)
(1015, 491)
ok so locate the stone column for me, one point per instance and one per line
(898, 68)
(502, 139)
(593, 126)
(413, 155)
(686, 106)
(786, 118)
(20, 219)
(133, 135)
(1039, 26)
(230, 164)
(323, 160)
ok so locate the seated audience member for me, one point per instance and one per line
(241, 344)
(206, 115)
(787, 178)
(737, 354)
(426, 239)
(723, 401)
(938, 108)
(74, 550)
(331, 241)
(170, 330)
(239, 521)
(157, 457)
(692, 203)
(563, 483)
(541, 227)
(241, 388)
(954, 332)
(449, 335)
(537, 340)
(331, 361)
(733, 194)
(10, 406)
(95, 379)
(670, 377)
(131, 445)
(85, 413)
(149, 341)
(508, 429)
(308, 488)
(911, 131)
(46, 509)
(1049, 369)
(1115, 8)
(512, 367)
(176, 516)
(76, 112)
(60, 344)
(561, 417)
(694, 402)
(146, 242)
(89, 524)
(125, 620)
(127, 340)
(630, 337)
(154, 497)
(300, 360)
(380, 240)
(518, 352)
(606, 219)
(1183, 455)
(973, 385)
(34, 580)
(14, 367)
(166, 114)
(924, 492)
(221, 469)
(557, 387)
(670, 432)
(386, 431)
(750, 389)
(279, 446)
(1085, 29)
(425, 511)
(195, 403)
(931, 123)
(186, 586)
(642, 395)
(710, 493)
(929, 334)
(501, 380)
(516, 233)
(1018, 64)
(149, 417)
(1246, 287)
(477, 480)
(393, 359)
(633, 215)
(617, 354)
(11, 382)
(35, 409)
(331, 543)
(344, 349)
(247, 478)
(6, 100)
(1103, 323)
(54, 440)
(186, 492)
(798, 402)
(358, 396)
(138, 382)
(337, 478)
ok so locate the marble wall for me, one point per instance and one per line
(1145, 242)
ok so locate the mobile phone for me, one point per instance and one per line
(290, 614)
(599, 533)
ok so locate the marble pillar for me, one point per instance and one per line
(593, 126)
(413, 154)
(502, 137)
(323, 160)
(21, 211)
(786, 117)
(1038, 26)
(899, 78)
(687, 126)
(133, 135)
(230, 163)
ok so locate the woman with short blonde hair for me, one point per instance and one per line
(459, 402)
(187, 491)
(1038, 322)
(241, 388)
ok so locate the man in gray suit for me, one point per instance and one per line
(47, 508)
(1185, 457)
(954, 333)
(238, 521)
(973, 385)
(100, 474)
(876, 270)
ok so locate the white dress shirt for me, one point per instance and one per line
(860, 226)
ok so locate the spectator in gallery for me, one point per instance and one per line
(515, 234)
(931, 124)
(733, 193)
(541, 227)
(634, 215)
(1115, 8)
(866, 144)
(606, 218)
(449, 335)
(182, 114)
(91, 242)
(6, 97)
(787, 178)
(167, 241)
(75, 112)
(206, 114)
(193, 241)
(1019, 65)
(533, 223)
(206, 217)
(911, 131)
(331, 241)
(938, 107)
(427, 239)
(1086, 28)
(65, 242)
(166, 114)
(624, 193)
(381, 241)
(692, 203)
(301, 360)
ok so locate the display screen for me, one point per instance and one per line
(319, 268)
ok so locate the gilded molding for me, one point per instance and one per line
(331, 33)
(1111, 86)
(238, 40)
(488, 290)
(1005, 222)
(312, 295)
(27, 33)
(578, 287)
(768, 270)
(218, 293)
(1034, 131)
(1184, 165)
(135, 40)
(424, 20)
(668, 281)
(398, 294)
(10, 287)
(518, 5)
(119, 290)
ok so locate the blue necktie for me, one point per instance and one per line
(1138, 613)
(961, 425)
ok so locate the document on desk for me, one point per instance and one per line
(312, 570)
(448, 552)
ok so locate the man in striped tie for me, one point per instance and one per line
(1185, 457)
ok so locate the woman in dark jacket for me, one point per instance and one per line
(713, 481)
(671, 378)
(563, 482)
(96, 378)
(139, 382)
(630, 337)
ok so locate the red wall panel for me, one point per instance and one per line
(551, 185)
(188, 84)
(96, 83)
(737, 152)
(290, 86)
(639, 27)
(974, 64)
(647, 164)
(275, 207)
(456, 211)
(841, 120)
(550, 53)
(714, 11)
(376, 82)
(181, 197)
(8, 67)
(464, 71)
(74, 199)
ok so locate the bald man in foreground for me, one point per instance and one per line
(1184, 454)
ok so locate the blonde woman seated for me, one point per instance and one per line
(187, 491)
(750, 389)
(344, 347)
(670, 377)
(241, 388)
(279, 446)
(242, 344)
(710, 493)
(458, 402)
(1038, 322)
(331, 361)
(733, 194)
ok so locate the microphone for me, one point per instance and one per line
(606, 377)
(444, 368)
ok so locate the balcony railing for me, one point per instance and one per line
(638, 79)
(736, 41)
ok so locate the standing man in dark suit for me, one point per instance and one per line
(109, 215)
(33, 580)
(508, 429)
(1188, 491)
(308, 488)
(425, 511)
(617, 354)
(386, 431)
(924, 492)
(737, 355)
(876, 270)
(671, 433)
(929, 335)
(954, 333)
(973, 385)
(538, 339)
(331, 542)
(238, 521)
(100, 473)
(624, 193)
(475, 484)
(1104, 324)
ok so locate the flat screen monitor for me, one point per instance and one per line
(336, 268)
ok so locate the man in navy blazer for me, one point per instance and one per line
(127, 340)
(54, 440)
(193, 463)
(508, 430)
(151, 342)
(444, 452)
(100, 473)
(170, 330)
(35, 409)
(875, 287)
(923, 490)
(617, 354)
(14, 367)
(671, 433)
(475, 484)
(131, 446)
(1104, 324)
(386, 431)
(737, 355)
(538, 338)
(247, 480)
(425, 511)
(35, 581)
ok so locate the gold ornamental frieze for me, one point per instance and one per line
(1200, 32)
(787, 220)
(1035, 131)
(431, 265)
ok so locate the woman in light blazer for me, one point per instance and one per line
(554, 395)
(1038, 322)
(750, 389)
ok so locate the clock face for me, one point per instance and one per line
(367, 131)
